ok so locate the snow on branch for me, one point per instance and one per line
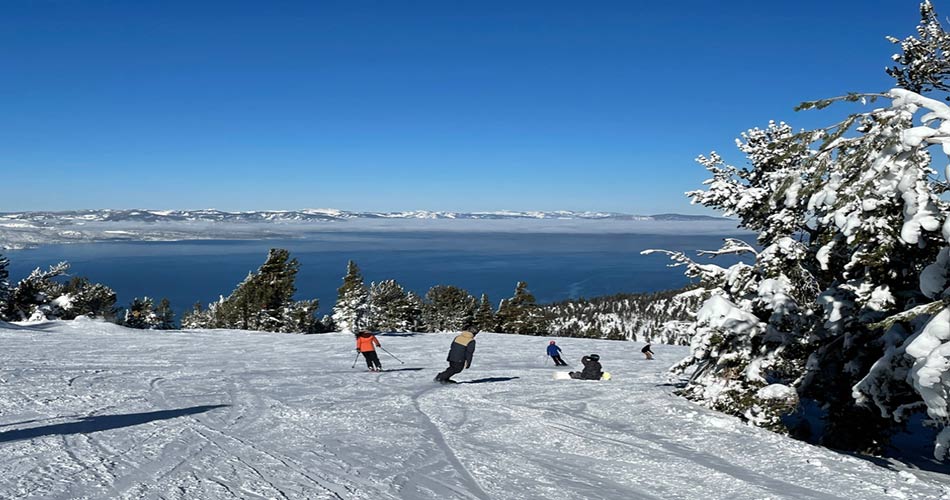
(732, 246)
(693, 268)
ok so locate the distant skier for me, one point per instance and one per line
(592, 369)
(460, 355)
(555, 352)
(365, 344)
(647, 352)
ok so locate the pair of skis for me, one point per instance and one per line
(384, 350)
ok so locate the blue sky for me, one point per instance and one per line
(389, 105)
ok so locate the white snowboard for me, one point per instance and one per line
(567, 376)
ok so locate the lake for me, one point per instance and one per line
(555, 266)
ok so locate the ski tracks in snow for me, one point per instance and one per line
(91, 410)
(419, 478)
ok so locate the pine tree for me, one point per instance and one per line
(300, 317)
(33, 296)
(165, 315)
(196, 318)
(262, 301)
(275, 289)
(447, 308)
(352, 304)
(82, 298)
(389, 307)
(485, 315)
(141, 314)
(846, 304)
(414, 313)
(520, 314)
(4, 285)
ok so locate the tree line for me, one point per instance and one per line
(264, 301)
(53, 294)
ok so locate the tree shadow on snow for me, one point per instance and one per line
(904, 462)
(98, 423)
(489, 380)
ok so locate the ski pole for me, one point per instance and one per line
(355, 360)
(391, 354)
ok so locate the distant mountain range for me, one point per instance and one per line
(211, 215)
(29, 229)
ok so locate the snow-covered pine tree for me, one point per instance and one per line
(4, 285)
(82, 298)
(352, 303)
(389, 307)
(485, 315)
(33, 296)
(520, 314)
(300, 317)
(141, 314)
(447, 309)
(416, 305)
(263, 301)
(845, 307)
(275, 290)
(196, 318)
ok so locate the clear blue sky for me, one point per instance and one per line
(390, 105)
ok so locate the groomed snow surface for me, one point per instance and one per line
(93, 410)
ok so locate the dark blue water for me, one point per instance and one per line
(556, 266)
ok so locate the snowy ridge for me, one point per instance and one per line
(93, 410)
(660, 317)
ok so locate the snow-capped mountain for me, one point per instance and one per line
(25, 229)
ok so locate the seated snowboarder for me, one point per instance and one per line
(365, 342)
(555, 352)
(460, 355)
(592, 369)
(647, 352)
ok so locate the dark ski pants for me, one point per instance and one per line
(453, 369)
(372, 360)
(558, 361)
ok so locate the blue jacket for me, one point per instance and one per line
(553, 350)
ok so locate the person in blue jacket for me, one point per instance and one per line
(555, 352)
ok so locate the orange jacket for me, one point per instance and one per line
(364, 343)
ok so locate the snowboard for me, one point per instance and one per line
(567, 376)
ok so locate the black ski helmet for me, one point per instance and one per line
(594, 357)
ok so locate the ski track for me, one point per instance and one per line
(123, 414)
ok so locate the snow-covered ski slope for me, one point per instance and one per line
(91, 410)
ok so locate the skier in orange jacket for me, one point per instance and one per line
(365, 344)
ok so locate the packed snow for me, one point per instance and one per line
(93, 410)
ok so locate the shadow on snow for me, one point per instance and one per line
(489, 380)
(102, 423)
